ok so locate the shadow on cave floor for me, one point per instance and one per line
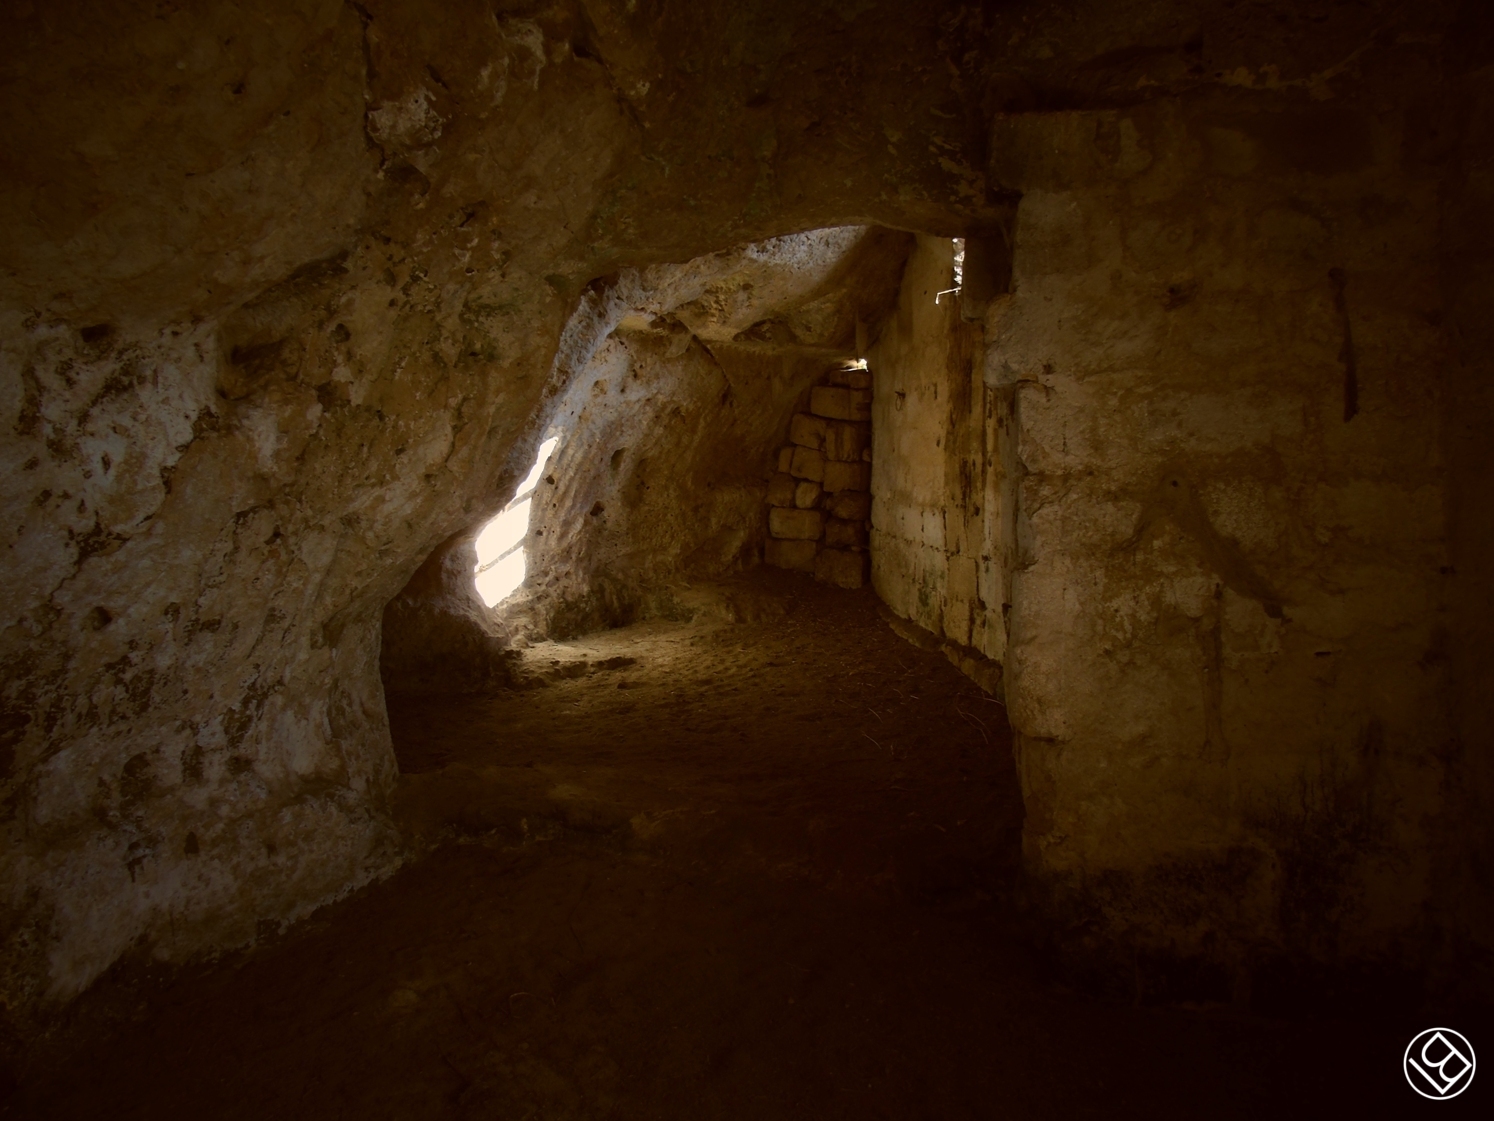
(752, 870)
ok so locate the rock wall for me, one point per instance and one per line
(658, 480)
(941, 513)
(288, 299)
(1195, 496)
(1227, 606)
(283, 309)
(656, 483)
(1464, 869)
(819, 501)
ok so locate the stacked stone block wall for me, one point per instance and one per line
(819, 498)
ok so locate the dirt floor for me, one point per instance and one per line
(755, 866)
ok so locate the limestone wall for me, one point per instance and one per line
(1191, 491)
(1223, 352)
(1463, 873)
(939, 521)
(283, 313)
(659, 479)
(819, 504)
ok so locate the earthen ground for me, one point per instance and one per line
(755, 869)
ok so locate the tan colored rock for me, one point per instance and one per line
(807, 494)
(794, 525)
(283, 321)
(807, 430)
(786, 458)
(841, 567)
(847, 476)
(841, 534)
(851, 505)
(808, 464)
(797, 555)
(846, 440)
(831, 401)
(849, 378)
(839, 403)
(643, 404)
(781, 490)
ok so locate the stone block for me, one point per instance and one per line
(797, 555)
(786, 457)
(845, 440)
(851, 505)
(808, 464)
(845, 535)
(849, 378)
(841, 567)
(831, 401)
(795, 525)
(807, 431)
(847, 476)
(807, 494)
(840, 403)
(781, 489)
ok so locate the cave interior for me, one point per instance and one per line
(612, 558)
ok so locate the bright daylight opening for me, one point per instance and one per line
(500, 545)
(959, 270)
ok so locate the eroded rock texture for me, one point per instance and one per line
(1189, 489)
(284, 295)
(679, 384)
(669, 436)
(290, 294)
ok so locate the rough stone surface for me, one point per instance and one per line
(1250, 593)
(807, 495)
(807, 431)
(832, 451)
(1197, 497)
(795, 524)
(287, 303)
(850, 505)
(845, 535)
(808, 464)
(781, 490)
(797, 555)
(847, 476)
(841, 567)
(657, 478)
(846, 442)
(938, 551)
(281, 313)
(838, 403)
